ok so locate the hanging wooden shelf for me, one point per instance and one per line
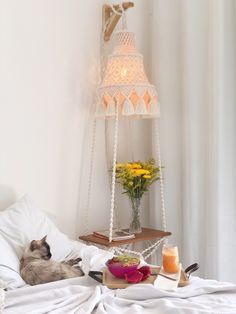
(147, 234)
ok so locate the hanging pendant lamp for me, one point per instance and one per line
(125, 83)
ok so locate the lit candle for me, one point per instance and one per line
(170, 259)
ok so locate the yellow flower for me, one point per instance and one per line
(119, 165)
(129, 166)
(136, 166)
(142, 171)
(146, 176)
(133, 166)
(134, 173)
(130, 174)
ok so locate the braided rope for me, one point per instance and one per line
(116, 211)
(149, 243)
(87, 206)
(113, 184)
(141, 255)
(152, 248)
(129, 138)
(158, 152)
(157, 244)
(120, 250)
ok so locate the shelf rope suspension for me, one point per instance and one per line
(125, 91)
(158, 153)
(113, 183)
(146, 253)
(90, 172)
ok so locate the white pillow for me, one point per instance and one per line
(9, 265)
(19, 224)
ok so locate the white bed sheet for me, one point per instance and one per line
(84, 295)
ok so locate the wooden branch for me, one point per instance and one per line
(110, 19)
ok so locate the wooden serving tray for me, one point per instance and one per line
(113, 282)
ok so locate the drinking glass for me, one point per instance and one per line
(170, 258)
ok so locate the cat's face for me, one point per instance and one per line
(40, 249)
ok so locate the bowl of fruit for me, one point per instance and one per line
(121, 265)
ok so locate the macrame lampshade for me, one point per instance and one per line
(125, 83)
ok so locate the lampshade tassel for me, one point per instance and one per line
(111, 110)
(141, 107)
(155, 108)
(99, 110)
(128, 108)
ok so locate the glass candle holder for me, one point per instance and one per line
(170, 258)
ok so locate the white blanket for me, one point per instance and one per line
(2, 295)
(83, 295)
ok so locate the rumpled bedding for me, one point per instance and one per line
(2, 295)
(84, 295)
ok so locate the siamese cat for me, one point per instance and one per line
(36, 266)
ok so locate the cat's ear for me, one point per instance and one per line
(44, 239)
(33, 245)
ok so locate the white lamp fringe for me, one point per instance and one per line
(99, 110)
(128, 108)
(141, 107)
(111, 109)
(154, 108)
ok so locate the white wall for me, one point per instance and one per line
(49, 56)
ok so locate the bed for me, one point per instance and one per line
(23, 222)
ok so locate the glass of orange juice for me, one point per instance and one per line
(170, 258)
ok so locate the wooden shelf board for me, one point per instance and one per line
(145, 235)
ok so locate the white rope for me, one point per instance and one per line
(113, 184)
(141, 255)
(157, 244)
(158, 152)
(87, 207)
(154, 249)
(120, 250)
(116, 210)
(150, 247)
(130, 139)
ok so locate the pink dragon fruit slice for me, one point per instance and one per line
(134, 277)
(146, 271)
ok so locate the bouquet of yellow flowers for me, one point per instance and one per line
(137, 177)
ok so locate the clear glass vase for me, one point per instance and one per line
(135, 226)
